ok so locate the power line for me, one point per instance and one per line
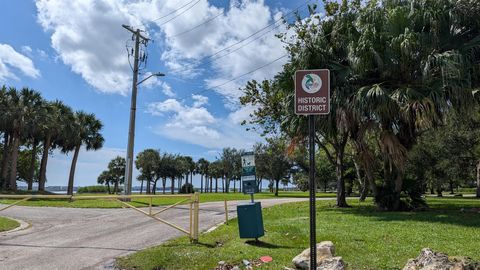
(168, 14)
(253, 34)
(240, 41)
(202, 23)
(256, 38)
(176, 16)
(236, 78)
(197, 26)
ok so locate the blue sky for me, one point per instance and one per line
(74, 51)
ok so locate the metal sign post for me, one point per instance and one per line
(249, 174)
(250, 220)
(312, 97)
(313, 189)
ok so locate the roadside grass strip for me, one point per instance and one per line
(365, 237)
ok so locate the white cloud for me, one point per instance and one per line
(42, 54)
(241, 115)
(167, 90)
(183, 116)
(185, 52)
(87, 35)
(158, 108)
(9, 58)
(27, 50)
(149, 81)
(196, 125)
(199, 100)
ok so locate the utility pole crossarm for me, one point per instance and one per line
(135, 32)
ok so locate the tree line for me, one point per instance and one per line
(175, 172)
(398, 70)
(32, 127)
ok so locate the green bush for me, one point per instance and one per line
(93, 189)
(467, 190)
(187, 188)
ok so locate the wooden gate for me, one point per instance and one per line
(191, 199)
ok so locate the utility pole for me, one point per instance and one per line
(131, 130)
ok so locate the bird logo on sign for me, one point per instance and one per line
(311, 83)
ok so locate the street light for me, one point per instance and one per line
(158, 74)
(131, 133)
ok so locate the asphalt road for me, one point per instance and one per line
(75, 238)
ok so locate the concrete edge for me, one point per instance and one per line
(214, 227)
(23, 226)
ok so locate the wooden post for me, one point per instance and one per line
(191, 218)
(195, 217)
(226, 212)
(150, 207)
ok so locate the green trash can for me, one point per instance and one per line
(250, 221)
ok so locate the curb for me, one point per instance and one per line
(23, 226)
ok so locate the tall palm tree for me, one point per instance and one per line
(6, 129)
(24, 105)
(181, 169)
(105, 179)
(34, 136)
(57, 126)
(216, 172)
(191, 168)
(165, 169)
(202, 167)
(85, 132)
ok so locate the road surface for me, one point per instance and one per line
(76, 238)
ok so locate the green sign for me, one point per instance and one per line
(250, 170)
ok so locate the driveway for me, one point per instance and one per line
(75, 238)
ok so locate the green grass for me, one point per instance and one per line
(7, 224)
(204, 197)
(363, 236)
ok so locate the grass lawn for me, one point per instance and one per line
(204, 197)
(7, 224)
(363, 236)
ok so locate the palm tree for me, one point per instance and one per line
(56, 127)
(105, 179)
(202, 167)
(215, 172)
(393, 75)
(85, 132)
(182, 169)
(6, 128)
(419, 76)
(34, 136)
(165, 169)
(23, 108)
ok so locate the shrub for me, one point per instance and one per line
(187, 188)
(93, 189)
